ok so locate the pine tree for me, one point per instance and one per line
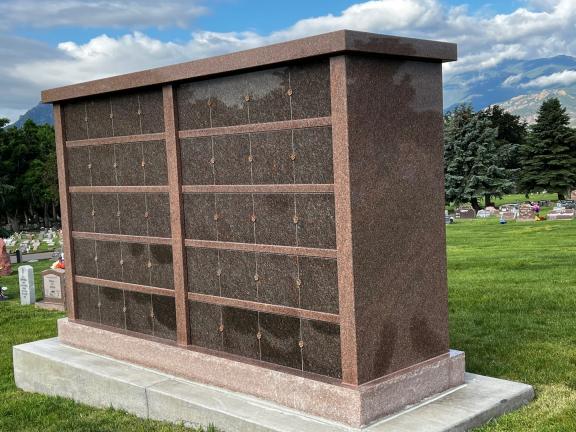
(473, 166)
(512, 134)
(549, 155)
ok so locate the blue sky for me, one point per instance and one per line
(49, 43)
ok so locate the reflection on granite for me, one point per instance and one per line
(271, 152)
(205, 325)
(321, 351)
(274, 219)
(280, 337)
(240, 330)
(164, 321)
(199, 213)
(277, 279)
(237, 279)
(202, 267)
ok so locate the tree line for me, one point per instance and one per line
(491, 153)
(28, 175)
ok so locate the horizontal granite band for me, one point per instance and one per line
(352, 405)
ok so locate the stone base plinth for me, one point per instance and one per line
(50, 306)
(310, 394)
(52, 368)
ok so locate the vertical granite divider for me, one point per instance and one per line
(176, 216)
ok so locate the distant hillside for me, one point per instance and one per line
(40, 114)
(519, 86)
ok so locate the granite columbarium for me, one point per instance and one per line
(231, 222)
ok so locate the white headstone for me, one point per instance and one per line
(27, 287)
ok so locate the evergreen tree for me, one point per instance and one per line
(549, 155)
(473, 164)
(511, 136)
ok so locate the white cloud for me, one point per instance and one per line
(537, 30)
(564, 78)
(512, 79)
(99, 13)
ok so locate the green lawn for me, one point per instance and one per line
(512, 309)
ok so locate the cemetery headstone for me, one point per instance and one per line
(561, 214)
(53, 283)
(508, 215)
(465, 213)
(27, 286)
(5, 266)
(526, 213)
(483, 214)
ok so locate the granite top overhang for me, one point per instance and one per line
(327, 44)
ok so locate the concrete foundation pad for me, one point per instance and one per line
(49, 367)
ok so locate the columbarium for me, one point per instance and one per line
(235, 221)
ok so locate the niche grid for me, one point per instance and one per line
(119, 187)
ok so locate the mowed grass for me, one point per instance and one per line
(512, 310)
(512, 292)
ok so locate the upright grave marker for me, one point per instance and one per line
(526, 213)
(27, 285)
(53, 283)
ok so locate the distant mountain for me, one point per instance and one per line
(40, 114)
(520, 86)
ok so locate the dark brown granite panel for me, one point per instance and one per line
(272, 152)
(196, 154)
(125, 110)
(99, 119)
(192, 105)
(132, 214)
(274, 219)
(75, 120)
(202, 267)
(102, 165)
(139, 312)
(313, 149)
(240, 332)
(279, 342)
(238, 274)
(268, 91)
(87, 303)
(155, 163)
(152, 107)
(164, 320)
(401, 301)
(81, 206)
(205, 320)
(84, 257)
(319, 284)
(316, 220)
(135, 263)
(277, 276)
(228, 103)
(106, 213)
(158, 214)
(234, 218)
(112, 307)
(199, 214)
(161, 272)
(109, 260)
(310, 84)
(129, 164)
(78, 172)
(321, 351)
(231, 159)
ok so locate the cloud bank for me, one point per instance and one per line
(541, 29)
